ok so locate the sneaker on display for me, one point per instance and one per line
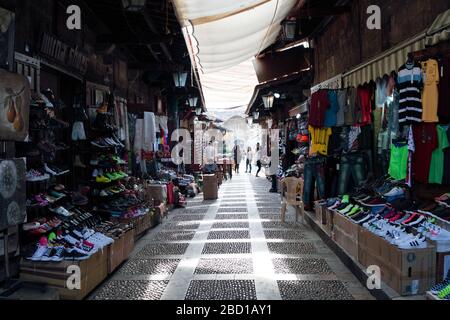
(74, 254)
(395, 192)
(417, 242)
(439, 286)
(39, 253)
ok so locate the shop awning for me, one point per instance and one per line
(383, 64)
(223, 34)
(439, 30)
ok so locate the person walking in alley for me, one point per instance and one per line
(248, 163)
(237, 156)
(258, 159)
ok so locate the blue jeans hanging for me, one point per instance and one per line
(314, 172)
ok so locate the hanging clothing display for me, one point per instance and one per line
(333, 108)
(319, 140)
(349, 111)
(318, 107)
(446, 177)
(149, 132)
(409, 83)
(363, 106)
(352, 165)
(398, 164)
(425, 140)
(342, 101)
(430, 95)
(444, 92)
(437, 159)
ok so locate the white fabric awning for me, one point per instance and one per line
(223, 36)
(223, 33)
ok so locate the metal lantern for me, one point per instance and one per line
(198, 111)
(268, 100)
(134, 5)
(289, 27)
(179, 79)
(255, 115)
(193, 102)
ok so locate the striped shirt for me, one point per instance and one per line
(410, 83)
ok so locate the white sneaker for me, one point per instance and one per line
(416, 243)
(39, 253)
(404, 237)
(48, 170)
(63, 211)
(439, 234)
(396, 191)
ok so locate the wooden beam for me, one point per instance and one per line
(125, 39)
(324, 12)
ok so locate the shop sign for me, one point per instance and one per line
(97, 68)
(64, 54)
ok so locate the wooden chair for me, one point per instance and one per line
(292, 195)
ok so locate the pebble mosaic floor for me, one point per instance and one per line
(232, 248)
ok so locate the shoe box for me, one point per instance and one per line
(324, 217)
(210, 187)
(318, 211)
(409, 272)
(58, 274)
(119, 251)
(156, 192)
(142, 224)
(345, 234)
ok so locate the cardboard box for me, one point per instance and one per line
(156, 192)
(210, 187)
(318, 211)
(128, 243)
(347, 243)
(329, 226)
(115, 254)
(372, 243)
(345, 234)
(409, 272)
(55, 274)
(442, 266)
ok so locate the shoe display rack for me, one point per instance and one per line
(402, 237)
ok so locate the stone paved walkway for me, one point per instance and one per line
(232, 248)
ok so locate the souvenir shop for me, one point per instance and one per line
(376, 169)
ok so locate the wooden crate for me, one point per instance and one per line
(56, 274)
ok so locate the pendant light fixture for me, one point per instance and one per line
(193, 101)
(268, 100)
(179, 79)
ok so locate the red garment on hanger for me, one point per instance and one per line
(319, 105)
(364, 112)
(170, 196)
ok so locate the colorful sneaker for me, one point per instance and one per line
(438, 287)
(102, 179)
(444, 292)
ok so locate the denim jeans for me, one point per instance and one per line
(314, 170)
(248, 165)
(351, 165)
